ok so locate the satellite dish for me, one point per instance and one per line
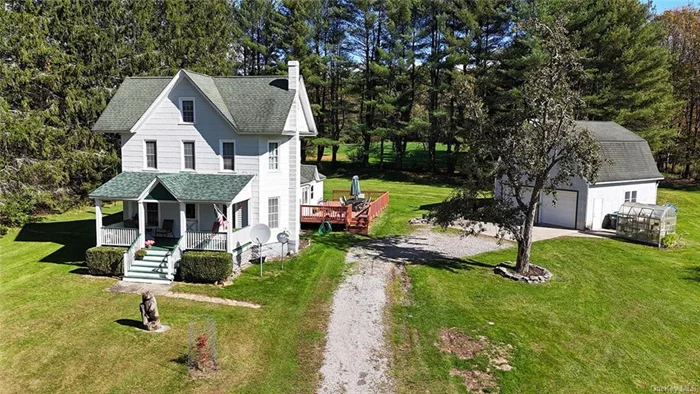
(260, 233)
(283, 237)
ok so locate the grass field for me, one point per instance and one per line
(61, 332)
(616, 318)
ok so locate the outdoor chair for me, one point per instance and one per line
(166, 229)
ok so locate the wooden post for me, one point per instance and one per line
(229, 227)
(98, 221)
(183, 220)
(142, 225)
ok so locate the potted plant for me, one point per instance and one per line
(149, 243)
(140, 254)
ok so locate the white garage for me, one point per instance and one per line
(628, 173)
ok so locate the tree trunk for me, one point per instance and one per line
(522, 264)
(381, 154)
(320, 150)
(334, 156)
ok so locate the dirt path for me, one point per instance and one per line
(356, 358)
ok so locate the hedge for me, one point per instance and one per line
(206, 267)
(105, 260)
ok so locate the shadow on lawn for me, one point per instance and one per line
(692, 273)
(76, 237)
(129, 323)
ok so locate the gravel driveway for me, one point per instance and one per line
(356, 359)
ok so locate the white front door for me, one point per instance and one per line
(192, 217)
(597, 223)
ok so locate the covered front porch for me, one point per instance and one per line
(178, 211)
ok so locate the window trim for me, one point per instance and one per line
(632, 196)
(279, 164)
(269, 223)
(145, 154)
(221, 155)
(183, 162)
(194, 110)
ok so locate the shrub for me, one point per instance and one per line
(3, 230)
(206, 267)
(105, 260)
(671, 240)
(140, 254)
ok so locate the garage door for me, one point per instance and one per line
(561, 215)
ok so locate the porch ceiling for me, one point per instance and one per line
(183, 186)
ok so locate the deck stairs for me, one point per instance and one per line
(152, 269)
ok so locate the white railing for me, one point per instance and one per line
(130, 253)
(241, 237)
(117, 236)
(173, 257)
(202, 240)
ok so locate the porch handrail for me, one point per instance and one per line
(203, 240)
(130, 254)
(173, 256)
(117, 236)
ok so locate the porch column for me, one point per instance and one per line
(98, 221)
(229, 227)
(142, 224)
(183, 220)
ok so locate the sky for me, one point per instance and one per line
(663, 5)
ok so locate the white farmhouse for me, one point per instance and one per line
(203, 159)
(628, 173)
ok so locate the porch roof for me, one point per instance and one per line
(183, 186)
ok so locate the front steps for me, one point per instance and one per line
(152, 269)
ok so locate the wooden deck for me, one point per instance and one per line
(334, 212)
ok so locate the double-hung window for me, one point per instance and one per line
(228, 153)
(631, 196)
(187, 110)
(151, 154)
(273, 212)
(273, 154)
(188, 154)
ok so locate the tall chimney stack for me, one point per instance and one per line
(293, 70)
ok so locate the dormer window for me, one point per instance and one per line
(187, 109)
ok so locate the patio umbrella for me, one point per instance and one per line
(355, 186)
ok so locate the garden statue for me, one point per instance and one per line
(149, 312)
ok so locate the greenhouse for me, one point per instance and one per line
(646, 223)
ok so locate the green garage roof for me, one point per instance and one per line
(183, 186)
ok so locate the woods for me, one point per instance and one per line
(377, 71)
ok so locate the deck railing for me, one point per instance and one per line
(117, 236)
(204, 240)
(323, 213)
(130, 253)
(378, 205)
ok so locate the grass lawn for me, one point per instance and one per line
(61, 332)
(616, 318)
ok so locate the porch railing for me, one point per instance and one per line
(130, 253)
(173, 257)
(203, 240)
(117, 236)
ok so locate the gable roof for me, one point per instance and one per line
(183, 186)
(627, 156)
(129, 103)
(308, 173)
(252, 104)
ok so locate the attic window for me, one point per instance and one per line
(187, 109)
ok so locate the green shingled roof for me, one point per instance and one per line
(627, 156)
(308, 173)
(254, 104)
(129, 103)
(183, 186)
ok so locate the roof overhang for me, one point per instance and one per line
(605, 183)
